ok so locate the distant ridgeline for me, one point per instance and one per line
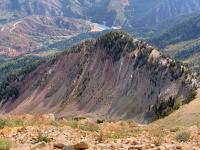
(182, 42)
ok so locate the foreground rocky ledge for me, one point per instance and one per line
(46, 133)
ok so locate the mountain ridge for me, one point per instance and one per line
(99, 78)
(141, 18)
(116, 13)
(182, 41)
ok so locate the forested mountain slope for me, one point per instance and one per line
(114, 77)
(182, 41)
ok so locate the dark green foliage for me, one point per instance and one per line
(42, 138)
(191, 96)
(176, 70)
(5, 144)
(116, 43)
(14, 70)
(17, 69)
(186, 53)
(165, 107)
(2, 123)
(67, 44)
(141, 59)
(77, 48)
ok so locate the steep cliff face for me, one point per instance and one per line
(114, 77)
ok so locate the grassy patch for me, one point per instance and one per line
(84, 126)
(88, 126)
(2, 123)
(122, 130)
(42, 138)
(5, 144)
(176, 129)
(8, 122)
(158, 134)
(21, 121)
(55, 123)
(73, 124)
(16, 122)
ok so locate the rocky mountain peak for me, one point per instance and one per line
(114, 77)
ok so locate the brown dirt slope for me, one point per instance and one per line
(187, 115)
(115, 77)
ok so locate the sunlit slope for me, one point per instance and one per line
(187, 115)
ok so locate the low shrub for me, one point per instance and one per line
(88, 126)
(174, 129)
(158, 134)
(42, 138)
(15, 122)
(183, 136)
(2, 123)
(73, 124)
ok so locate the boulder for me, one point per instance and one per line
(81, 146)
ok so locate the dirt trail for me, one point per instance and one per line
(14, 26)
(2, 29)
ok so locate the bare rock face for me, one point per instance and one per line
(81, 146)
(115, 77)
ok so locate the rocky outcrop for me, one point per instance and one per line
(109, 135)
(115, 77)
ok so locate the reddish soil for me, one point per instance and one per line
(91, 83)
(31, 33)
